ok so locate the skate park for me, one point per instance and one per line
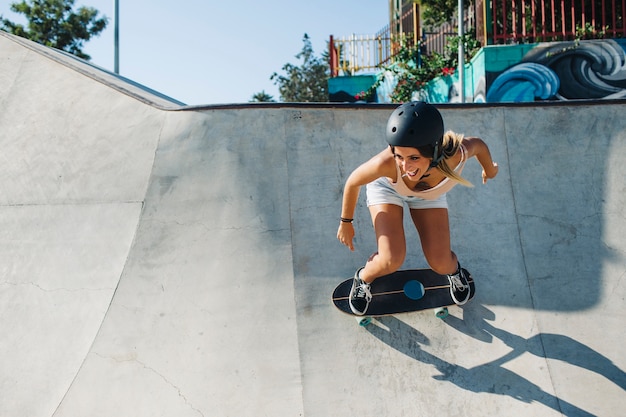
(169, 260)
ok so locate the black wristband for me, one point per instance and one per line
(344, 220)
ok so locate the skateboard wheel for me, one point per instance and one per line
(441, 313)
(363, 321)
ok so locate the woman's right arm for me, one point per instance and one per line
(375, 168)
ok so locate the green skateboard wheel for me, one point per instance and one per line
(363, 321)
(441, 312)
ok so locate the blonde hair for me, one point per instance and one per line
(449, 147)
(450, 144)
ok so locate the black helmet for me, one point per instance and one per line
(416, 124)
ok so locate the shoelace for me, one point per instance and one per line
(362, 291)
(456, 282)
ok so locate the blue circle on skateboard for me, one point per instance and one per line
(414, 290)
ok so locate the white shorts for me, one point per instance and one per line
(380, 191)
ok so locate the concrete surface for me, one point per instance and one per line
(162, 260)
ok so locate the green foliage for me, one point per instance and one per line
(262, 97)
(471, 45)
(53, 23)
(436, 12)
(590, 32)
(305, 83)
(413, 69)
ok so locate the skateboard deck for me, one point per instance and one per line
(402, 292)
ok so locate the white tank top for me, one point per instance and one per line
(431, 193)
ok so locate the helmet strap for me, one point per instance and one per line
(437, 156)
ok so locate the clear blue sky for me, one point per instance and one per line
(211, 52)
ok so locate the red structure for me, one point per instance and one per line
(530, 21)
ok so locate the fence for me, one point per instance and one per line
(507, 21)
(358, 53)
(367, 52)
(529, 21)
(436, 38)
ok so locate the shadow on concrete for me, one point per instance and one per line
(492, 377)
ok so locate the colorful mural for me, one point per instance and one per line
(593, 69)
(587, 69)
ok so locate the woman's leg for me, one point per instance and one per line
(433, 227)
(387, 221)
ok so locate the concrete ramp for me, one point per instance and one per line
(163, 260)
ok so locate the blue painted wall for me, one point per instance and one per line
(350, 89)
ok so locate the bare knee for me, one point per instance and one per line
(383, 264)
(442, 263)
(391, 264)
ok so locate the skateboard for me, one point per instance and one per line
(402, 292)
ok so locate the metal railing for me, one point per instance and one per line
(354, 53)
(357, 53)
(508, 21)
(529, 21)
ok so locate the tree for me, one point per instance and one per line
(437, 12)
(306, 83)
(53, 23)
(262, 97)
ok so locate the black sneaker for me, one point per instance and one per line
(459, 287)
(360, 295)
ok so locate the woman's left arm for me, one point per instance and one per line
(478, 148)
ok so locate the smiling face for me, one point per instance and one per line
(411, 162)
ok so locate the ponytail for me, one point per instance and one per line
(449, 147)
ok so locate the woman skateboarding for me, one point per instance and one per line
(421, 164)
